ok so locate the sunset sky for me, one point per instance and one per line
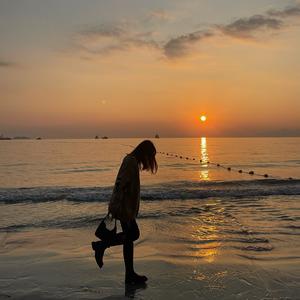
(132, 68)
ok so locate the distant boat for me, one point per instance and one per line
(104, 137)
(157, 136)
(96, 137)
(2, 137)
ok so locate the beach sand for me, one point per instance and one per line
(59, 264)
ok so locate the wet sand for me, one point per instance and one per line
(31, 278)
(59, 264)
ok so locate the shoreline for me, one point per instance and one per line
(62, 266)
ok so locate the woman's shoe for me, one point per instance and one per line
(99, 248)
(135, 279)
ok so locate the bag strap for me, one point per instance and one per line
(107, 215)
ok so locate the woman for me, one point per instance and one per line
(124, 206)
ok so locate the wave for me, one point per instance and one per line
(82, 170)
(252, 240)
(164, 191)
(66, 223)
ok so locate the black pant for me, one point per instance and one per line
(126, 238)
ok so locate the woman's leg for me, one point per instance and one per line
(126, 238)
(132, 233)
(100, 247)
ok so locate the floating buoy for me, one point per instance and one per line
(218, 165)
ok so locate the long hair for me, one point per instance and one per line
(145, 154)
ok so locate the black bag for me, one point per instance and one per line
(107, 228)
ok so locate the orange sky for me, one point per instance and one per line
(156, 69)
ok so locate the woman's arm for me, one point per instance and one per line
(132, 191)
(127, 189)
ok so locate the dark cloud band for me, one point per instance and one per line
(287, 12)
(246, 27)
(179, 46)
(120, 38)
(7, 64)
(106, 39)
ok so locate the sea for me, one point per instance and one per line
(83, 171)
(212, 198)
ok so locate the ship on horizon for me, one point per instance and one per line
(2, 137)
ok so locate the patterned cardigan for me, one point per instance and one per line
(125, 199)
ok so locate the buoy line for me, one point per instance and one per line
(218, 165)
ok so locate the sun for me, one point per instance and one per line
(203, 118)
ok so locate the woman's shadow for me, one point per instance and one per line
(130, 291)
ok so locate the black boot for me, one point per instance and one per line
(134, 278)
(131, 277)
(99, 248)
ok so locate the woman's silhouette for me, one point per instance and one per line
(124, 206)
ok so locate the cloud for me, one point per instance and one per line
(109, 38)
(105, 39)
(7, 64)
(180, 46)
(103, 31)
(290, 11)
(160, 15)
(246, 27)
(243, 28)
(272, 20)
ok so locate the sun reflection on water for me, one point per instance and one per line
(203, 173)
(206, 232)
(209, 244)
